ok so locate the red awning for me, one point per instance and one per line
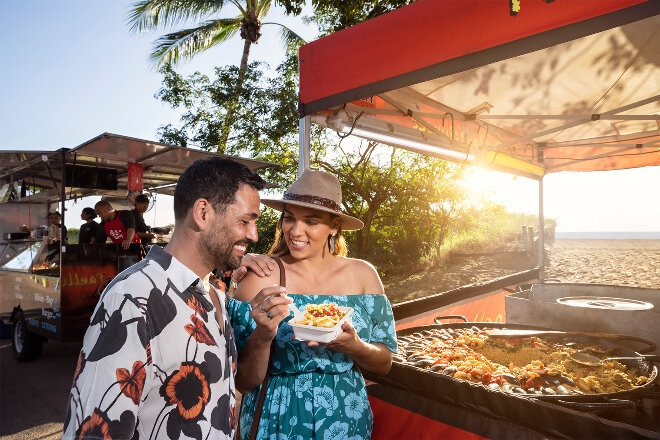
(561, 85)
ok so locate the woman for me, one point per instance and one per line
(316, 390)
(88, 229)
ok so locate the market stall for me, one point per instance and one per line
(528, 88)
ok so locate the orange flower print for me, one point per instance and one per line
(199, 331)
(132, 383)
(217, 283)
(95, 426)
(197, 306)
(188, 389)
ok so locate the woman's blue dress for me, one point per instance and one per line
(314, 392)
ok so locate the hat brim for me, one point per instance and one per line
(348, 223)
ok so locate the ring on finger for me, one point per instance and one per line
(261, 307)
(269, 315)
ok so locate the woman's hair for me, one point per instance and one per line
(90, 212)
(279, 247)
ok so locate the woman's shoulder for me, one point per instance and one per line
(359, 265)
(364, 274)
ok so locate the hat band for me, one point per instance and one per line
(314, 200)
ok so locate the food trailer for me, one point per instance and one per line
(48, 289)
(529, 88)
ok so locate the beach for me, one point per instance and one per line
(624, 262)
(634, 263)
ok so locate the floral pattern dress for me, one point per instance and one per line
(314, 392)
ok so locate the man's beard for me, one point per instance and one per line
(218, 248)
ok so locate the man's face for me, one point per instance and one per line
(141, 207)
(225, 243)
(103, 212)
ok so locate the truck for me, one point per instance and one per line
(49, 289)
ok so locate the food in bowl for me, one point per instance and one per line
(320, 322)
(321, 315)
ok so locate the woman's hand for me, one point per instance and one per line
(374, 357)
(269, 307)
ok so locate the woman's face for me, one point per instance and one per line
(306, 230)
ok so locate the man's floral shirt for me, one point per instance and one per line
(157, 361)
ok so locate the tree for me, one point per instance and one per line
(176, 46)
(381, 185)
(334, 15)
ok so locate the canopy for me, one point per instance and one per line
(544, 87)
(101, 167)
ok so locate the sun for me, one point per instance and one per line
(517, 194)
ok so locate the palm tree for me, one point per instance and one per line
(171, 48)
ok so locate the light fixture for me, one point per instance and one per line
(338, 122)
(508, 163)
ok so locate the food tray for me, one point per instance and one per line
(319, 334)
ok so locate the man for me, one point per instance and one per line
(141, 228)
(159, 358)
(118, 225)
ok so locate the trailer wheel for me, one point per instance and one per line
(25, 344)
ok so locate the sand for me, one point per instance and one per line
(633, 263)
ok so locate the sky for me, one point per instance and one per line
(72, 70)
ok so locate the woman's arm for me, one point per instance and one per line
(269, 307)
(375, 357)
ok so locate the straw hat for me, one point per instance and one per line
(316, 190)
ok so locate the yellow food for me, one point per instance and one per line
(321, 315)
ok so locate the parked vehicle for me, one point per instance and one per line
(48, 289)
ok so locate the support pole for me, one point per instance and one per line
(541, 249)
(304, 128)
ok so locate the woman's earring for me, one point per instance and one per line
(332, 244)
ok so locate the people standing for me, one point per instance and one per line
(313, 390)
(88, 230)
(141, 228)
(56, 230)
(118, 225)
(158, 360)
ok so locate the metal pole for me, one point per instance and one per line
(304, 144)
(541, 248)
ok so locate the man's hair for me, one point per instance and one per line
(103, 204)
(141, 198)
(214, 179)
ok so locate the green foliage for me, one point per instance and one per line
(413, 207)
(490, 228)
(185, 44)
(266, 121)
(266, 226)
(334, 15)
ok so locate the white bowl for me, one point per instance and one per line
(319, 334)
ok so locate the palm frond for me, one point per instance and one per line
(262, 8)
(185, 44)
(153, 14)
(287, 35)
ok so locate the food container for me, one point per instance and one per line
(319, 334)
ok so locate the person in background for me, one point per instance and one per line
(56, 230)
(141, 228)
(159, 359)
(118, 225)
(88, 230)
(313, 390)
